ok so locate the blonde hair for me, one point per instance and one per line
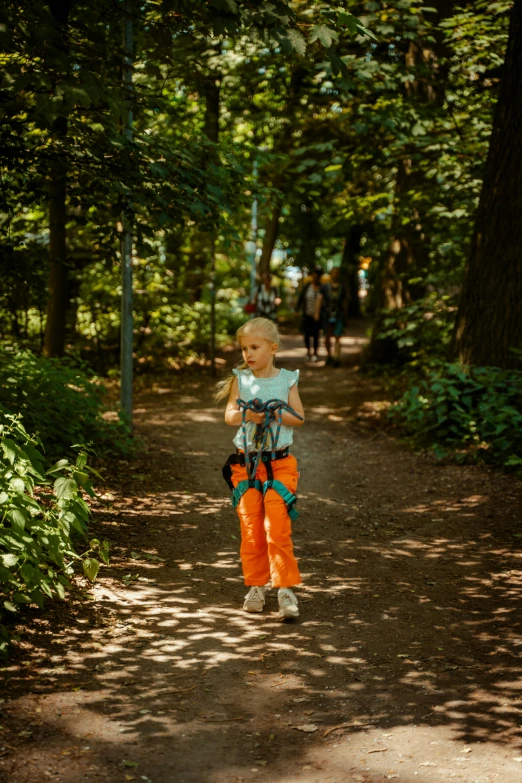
(263, 327)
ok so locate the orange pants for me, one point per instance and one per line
(266, 529)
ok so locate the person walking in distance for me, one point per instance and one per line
(335, 319)
(263, 477)
(311, 304)
(267, 299)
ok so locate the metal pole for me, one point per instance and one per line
(253, 238)
(126, 218)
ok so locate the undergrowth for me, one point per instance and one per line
(475, 413)
(40, 513)
(468, 413)
(60, 403)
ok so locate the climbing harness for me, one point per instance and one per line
(265, 443)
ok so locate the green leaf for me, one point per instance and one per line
(349, 20)
(75, 521)
(81, 460)
(17, 519)
(65, 488)
(324, 34)
(60, 590)
(17, 484)
(9, 559)
(45, 587)
(79, 507)
(297, 42)
(81, 477)
(9, 606)
(104, 552)
(10, 449)
(91, 566)
(57, 466)
(4, 498)
(20, 598)
(362, 30)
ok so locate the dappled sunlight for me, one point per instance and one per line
(406, 656)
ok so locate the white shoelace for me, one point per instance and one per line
(287, 599)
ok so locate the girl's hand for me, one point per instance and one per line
(257, 418)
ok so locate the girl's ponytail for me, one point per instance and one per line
(260, 326)
(224, 387)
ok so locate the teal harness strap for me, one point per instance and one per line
(263, 436)
(243, 487)
(289, 498)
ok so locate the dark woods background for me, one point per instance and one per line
(364, 145)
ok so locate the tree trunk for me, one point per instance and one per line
(350, 269)
(212, 98)
(202, 243)
(282, 144)
(269, 240)
(54, 339)
(408, 251)
(489, 321)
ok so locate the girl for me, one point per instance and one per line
(264, 504)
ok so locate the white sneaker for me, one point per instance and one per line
(287, 604)
(255, 600)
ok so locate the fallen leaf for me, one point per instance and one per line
(125, 763)
(309, 728)
(178, 690)
(352, 725)
(466, 750)
(220, 720)
(378, 750)
(261, 762)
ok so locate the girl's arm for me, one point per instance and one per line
(294, 401)
(233, 415)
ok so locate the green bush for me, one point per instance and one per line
(184, 330)
(58, 402)
(416, 334)
(474, 410)
(38, 514)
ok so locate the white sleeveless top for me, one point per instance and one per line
(265, 389)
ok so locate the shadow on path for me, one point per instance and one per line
(405, 664)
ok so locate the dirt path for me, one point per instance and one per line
(406, 664)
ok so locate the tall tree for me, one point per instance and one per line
(425, 58)
(54, 340)
(489, 322)
(350, 268)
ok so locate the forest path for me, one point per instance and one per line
(409, 639)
